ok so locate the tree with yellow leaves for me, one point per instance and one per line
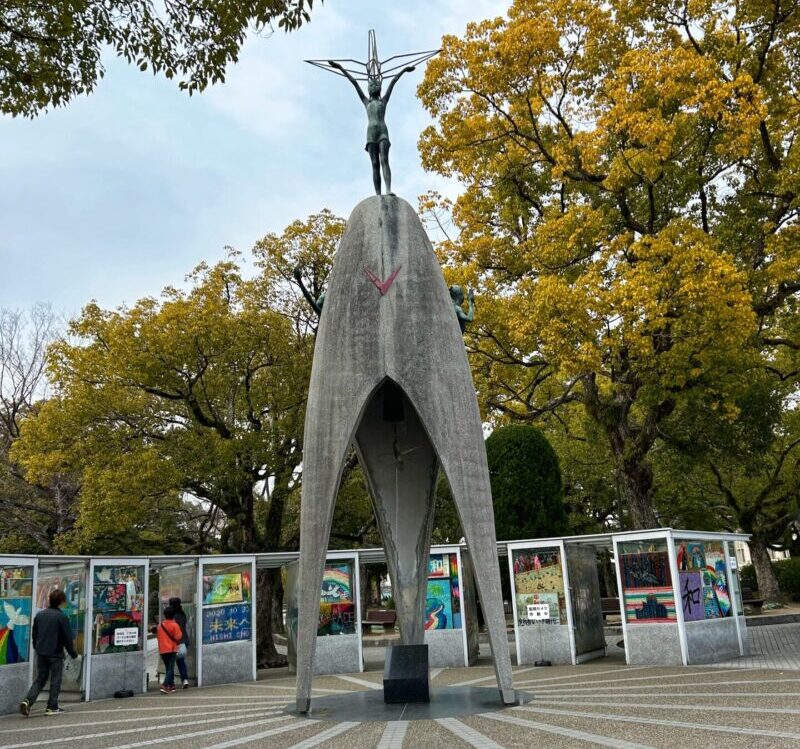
(199, 394)
(629, 205)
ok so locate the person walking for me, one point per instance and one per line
(180, 654)
(52, 635)
(169, 638)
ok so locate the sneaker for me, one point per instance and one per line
(25, 708)
(53, 711)
(171, 689)
(185, 683)
(164, 688)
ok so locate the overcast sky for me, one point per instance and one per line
(125, 190)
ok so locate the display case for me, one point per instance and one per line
(17, 585)
(179, 581)
(449, 600)
(338, 649)
(117, 612)
(680, 605)
(70, 576)
(226, 606)
(542, 616)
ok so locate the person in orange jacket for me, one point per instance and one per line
(169, 638)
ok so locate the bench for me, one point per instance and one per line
(380, 617)
(609, 607)
(749, 599)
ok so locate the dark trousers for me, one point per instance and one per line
(169, 668)
(182, 669)
(46, 667)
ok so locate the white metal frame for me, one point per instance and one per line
(204, 561)
(353, 557)
(88, 641)
(676, 588)
(559, 544)
(662, 534)
(734, 593)
(726, 539)
(26, 561)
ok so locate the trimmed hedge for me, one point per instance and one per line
(527, 492)
(787, 571)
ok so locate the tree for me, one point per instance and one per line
(629, 208)
(200, 394)
(51, 52)
(183, 416)
(718, 474)
(526, 484)
(32, 515)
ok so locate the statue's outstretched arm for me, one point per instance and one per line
(350, 78)
(470, 315)
(393, 83)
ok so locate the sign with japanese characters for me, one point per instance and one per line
(227, 623)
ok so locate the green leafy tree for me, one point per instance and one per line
(719, 474)
(526, 484)
(51, 52)
(629, 209)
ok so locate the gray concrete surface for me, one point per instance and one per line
(405, 332)
(549, 641)
(654, 644)
(776, 646)
(601, 703)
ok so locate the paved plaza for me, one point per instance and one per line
(602, 703)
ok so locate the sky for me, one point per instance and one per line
(124, 191)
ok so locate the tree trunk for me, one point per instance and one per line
(768, 587)
(267, 582)
(270, 587)
(637, 494)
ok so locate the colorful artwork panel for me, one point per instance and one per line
(110, 597)
(15, 630)
(538, 571)
(227, 623)
(455, 596)
(655, 604)
(439, 565)
(105, 624)
(337, 619)
(16, 587)
(723, 596)
(692, 595)
(706, 559)
(73, 585)
(223, 588)
(438, 605)
(645, 570)
(710, 604)
(337, 585)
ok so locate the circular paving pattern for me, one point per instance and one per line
(602, 703)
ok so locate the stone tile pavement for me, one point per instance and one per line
(775, 646)
(754, 703)
(601, 703)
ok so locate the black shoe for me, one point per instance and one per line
(53, 711)
(25, 708)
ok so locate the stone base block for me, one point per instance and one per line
(405, 674)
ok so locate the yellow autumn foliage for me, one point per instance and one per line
(629, 198)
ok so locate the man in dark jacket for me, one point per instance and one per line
(51, 636)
